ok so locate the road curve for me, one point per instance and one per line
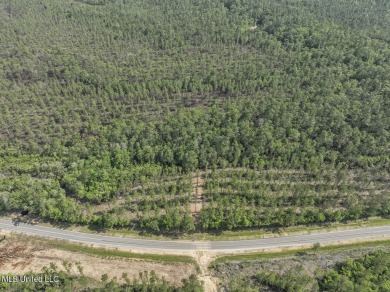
(157, 245)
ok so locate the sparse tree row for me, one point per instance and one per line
(247, 198)
(107, 107)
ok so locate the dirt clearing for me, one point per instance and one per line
(21, 256)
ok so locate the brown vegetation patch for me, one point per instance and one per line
(31, 255)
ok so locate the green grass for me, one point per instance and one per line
(107, 253)
(103, 252)
(290, 252)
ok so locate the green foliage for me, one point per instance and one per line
(103, 99)
(291, 281)
(368, 273)
(249, 198)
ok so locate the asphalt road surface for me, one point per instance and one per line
(157, 245)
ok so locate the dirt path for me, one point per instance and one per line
(210, 283)
(197, 194)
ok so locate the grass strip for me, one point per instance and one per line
(102, 252)
(258, 233)
(290, 252)
(107, 253)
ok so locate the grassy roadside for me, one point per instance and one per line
(294, 230)
(108, 253)
(246, 234)
(290, 252)
(222, 235)
(104, 252)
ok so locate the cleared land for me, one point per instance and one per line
(21, 254)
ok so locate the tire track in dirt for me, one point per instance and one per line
(196, 204)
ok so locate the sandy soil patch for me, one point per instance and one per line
(204, 259)
(21, 257)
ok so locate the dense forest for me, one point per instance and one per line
(63, 279)
(109, 108)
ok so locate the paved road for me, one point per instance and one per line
(242, 245)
